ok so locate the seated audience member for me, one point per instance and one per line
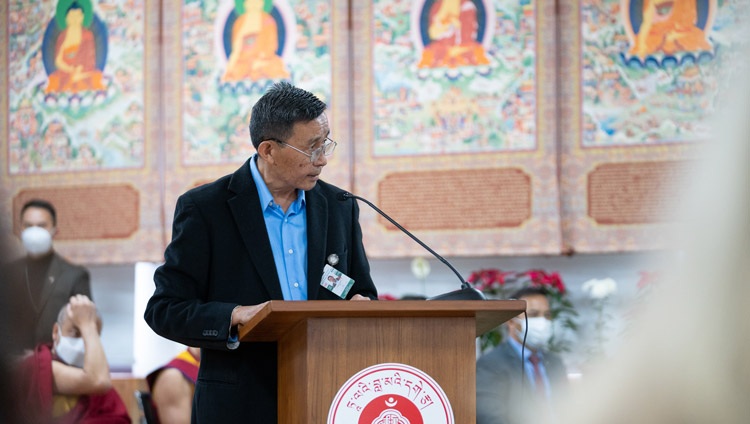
(506, 393)
(69, 381)
(172, 387)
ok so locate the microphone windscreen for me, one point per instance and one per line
(343, 195)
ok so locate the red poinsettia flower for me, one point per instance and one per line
(487, 279)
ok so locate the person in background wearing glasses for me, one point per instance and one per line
(271, 230)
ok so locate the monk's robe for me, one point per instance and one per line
(185, 362)
(40, 404)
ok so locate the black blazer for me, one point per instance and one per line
(33, 321)
(220, 257)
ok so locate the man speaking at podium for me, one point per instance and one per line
(271, 230)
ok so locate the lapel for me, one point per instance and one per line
(248, 216)
(317, 228)
(50, 281)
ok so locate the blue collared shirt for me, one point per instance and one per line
(529, 367)
(288, 235)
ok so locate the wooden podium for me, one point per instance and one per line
(323, 343)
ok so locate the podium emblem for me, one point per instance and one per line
(390, 393)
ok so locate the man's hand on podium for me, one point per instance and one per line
(359, 297)
(242, 314)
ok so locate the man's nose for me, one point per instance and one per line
(322, 161)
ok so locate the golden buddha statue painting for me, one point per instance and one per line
(254, 44)
(669, 27)
(452, 27)
(72, 65)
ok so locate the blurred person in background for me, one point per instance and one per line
(687, 359)
(172, 387)
(42, 281)
(508, 394)
(10, 411)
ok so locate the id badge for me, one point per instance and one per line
(335, 281)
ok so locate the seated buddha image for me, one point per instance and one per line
(452, 31)
(669, 26)
(254, 44)
(74, 53)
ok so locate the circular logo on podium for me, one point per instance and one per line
(390, 394)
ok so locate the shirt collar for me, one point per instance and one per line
(266, 199)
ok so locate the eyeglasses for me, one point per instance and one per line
(326, 149)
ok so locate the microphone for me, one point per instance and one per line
(466, 292)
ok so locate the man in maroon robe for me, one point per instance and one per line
(69, 382)
(173, 385)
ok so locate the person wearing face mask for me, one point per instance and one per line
(68, 380)
(42, 281)
(511, 390)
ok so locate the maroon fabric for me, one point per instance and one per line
(36, 380)
(99, 409)
(189, 370)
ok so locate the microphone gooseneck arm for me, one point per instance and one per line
(467, 292)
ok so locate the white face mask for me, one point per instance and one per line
(36, 240)
(540, 331)
(71, 350)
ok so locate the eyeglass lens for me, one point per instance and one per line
(326, 149)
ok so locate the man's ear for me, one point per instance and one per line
(266, 150)
(55, 333)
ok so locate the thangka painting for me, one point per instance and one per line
(454, 122)
(79, 109)
(652, 76)
(453, 76)
(232, 52)
(75, 85)
(652, 69)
